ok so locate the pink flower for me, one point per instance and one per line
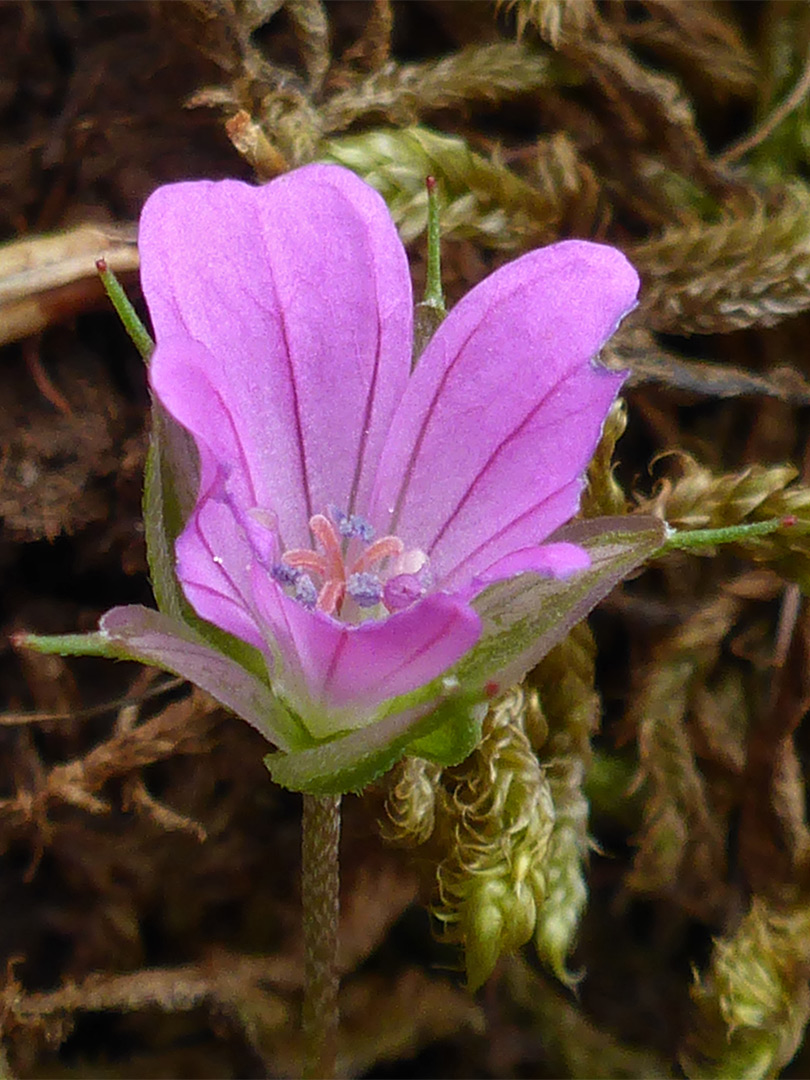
(350, 510)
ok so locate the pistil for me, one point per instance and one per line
(359, 580)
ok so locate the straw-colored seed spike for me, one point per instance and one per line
(747, 270)
(410, 805)
(604, 495)
(402, 93)
(681, 845)
(498, 804)
(294, 124)
(753, 1004)
(482, 199)
(251, 142)
(699, 499)
(565, 681)
(555, 20)
(312, 31)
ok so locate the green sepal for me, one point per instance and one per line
(453, 741)
(138, 333)
(94, 644)
(162, 518)
(430, 313)
(526, 616)
(351, 762)
(171, 480)
(154, 638)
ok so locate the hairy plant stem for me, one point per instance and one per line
(125, 311)
(320, 879)
(686, 539)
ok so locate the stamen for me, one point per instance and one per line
(385, 573)
(356, 527)
(284, 574)
(365, 589)
(305, 591)
(385, 548)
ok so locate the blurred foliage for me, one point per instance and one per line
(625, 856)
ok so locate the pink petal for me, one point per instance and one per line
(487, 449)
(214, 565)
(346, 672)
(282, 313)
(561, 560)
(193, 401)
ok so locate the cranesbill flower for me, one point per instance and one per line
(350, 510)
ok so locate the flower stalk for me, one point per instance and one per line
(320, 898)
(686, 540)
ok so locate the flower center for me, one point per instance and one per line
(352, 570)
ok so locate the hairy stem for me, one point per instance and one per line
(320, 877)
(685, 539)
(125, 311)
(434, 294)
(431, 311)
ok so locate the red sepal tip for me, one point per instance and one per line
(491, 689)
(430, 183)
(788, 520)
(101, 265)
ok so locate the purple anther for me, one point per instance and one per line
(356, 526)
(284, 574)
(365, 589)
(305, 591)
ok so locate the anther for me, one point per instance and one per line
(305, 591)
(284, 574)
(352, 526)
(365, 589)
(356, 527)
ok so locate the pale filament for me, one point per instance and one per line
(330, 565)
